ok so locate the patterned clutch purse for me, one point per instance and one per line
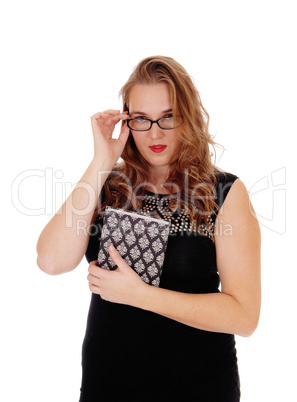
(141, 241)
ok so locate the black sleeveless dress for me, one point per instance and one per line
(131, 355)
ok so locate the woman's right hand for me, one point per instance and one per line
(106, 147)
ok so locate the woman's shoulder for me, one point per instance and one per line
(224, 182)
(223, 177)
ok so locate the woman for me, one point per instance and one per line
(174, 342)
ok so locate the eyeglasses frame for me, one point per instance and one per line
(152, 122)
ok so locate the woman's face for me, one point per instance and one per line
(159, 147)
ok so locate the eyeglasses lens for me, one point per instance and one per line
(145, 124)
(140, 124)
(167, 122)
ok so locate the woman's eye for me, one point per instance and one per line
(168, 116)
(140, 118)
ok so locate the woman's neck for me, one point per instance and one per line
(158, 178)
(158, 184)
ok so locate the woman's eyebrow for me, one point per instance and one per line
(136, 112)
(144, 114)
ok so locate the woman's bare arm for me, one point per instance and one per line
(236, 309)
(63, 242)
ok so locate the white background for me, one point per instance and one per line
(63, 61)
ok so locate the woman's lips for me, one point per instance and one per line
(158, 148)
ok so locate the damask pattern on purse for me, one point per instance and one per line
(141, 241)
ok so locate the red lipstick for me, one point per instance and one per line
(158, 148)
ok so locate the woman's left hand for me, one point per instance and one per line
(122, 285)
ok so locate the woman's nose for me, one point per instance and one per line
(155, 131)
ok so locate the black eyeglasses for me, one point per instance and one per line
(144, 124)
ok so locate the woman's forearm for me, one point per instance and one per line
(216, 312)
(64, 240)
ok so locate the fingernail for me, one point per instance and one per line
(111, 247)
